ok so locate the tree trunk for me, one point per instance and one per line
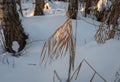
(39, 5)
(87, 6)
(72, 9)
(111, 19)
(20, 7)
(11, 25)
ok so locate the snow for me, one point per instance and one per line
(15, 46)
(105, 58)
(28, 9)
(102, 4)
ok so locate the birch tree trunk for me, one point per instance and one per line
(39, 5)
(12, 27)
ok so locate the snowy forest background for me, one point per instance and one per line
(59, 40)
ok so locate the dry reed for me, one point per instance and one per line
(59, 43)
(56, 76)
(77, 71)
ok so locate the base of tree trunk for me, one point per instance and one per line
(12, 27)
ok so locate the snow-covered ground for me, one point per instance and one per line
(105, 58)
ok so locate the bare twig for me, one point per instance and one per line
(55, 74)
(92, 77)
(76, 72)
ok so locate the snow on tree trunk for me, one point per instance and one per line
(39, 5)
(20, 8)
(111, 20)
(15, 46)
(101, 4)
(11, 25)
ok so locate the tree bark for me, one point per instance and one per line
(12, 27)
(87, 6)
(20, 9)
(39, 5)
(72, 9)
(111, 20)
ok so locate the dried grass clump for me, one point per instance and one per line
(59, 43)
(108, 32)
